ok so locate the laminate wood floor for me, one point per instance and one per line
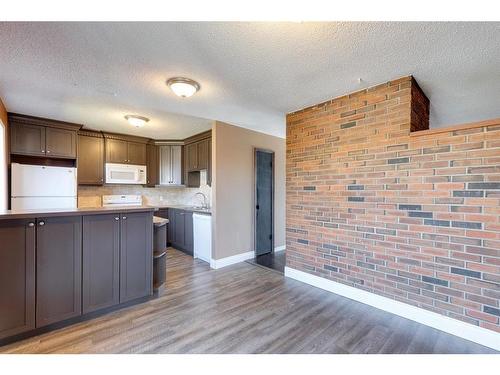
(244, 309)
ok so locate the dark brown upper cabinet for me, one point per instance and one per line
(58, 269)
(136, 255)
(17, 277)
(152, 165)
(90, 158)
(191, 157)
(101, 262)
(27, 139)
(34, 136)
(116, 151)
(60, 143)
(123, 149)
(136, 153)
(197, 157)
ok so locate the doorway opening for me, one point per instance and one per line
(265, 255)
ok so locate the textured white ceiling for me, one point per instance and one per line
(251, 73)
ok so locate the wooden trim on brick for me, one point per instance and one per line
(470, 125)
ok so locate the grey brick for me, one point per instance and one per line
(348, 125)
(420, 214)
(330, 268)
(437, 223)
(365, 265)
(484, 185)
(398, 160)
(468, 193)
(356, 187)
(464, 272)
(491, 310)
(413, 207)
(356, 199)
(309, 187)
(466, 224)
(433, 280)
(305, 242)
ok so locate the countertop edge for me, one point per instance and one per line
(29, 214)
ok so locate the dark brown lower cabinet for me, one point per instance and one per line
(101, 262)
(59, 269)
(17, 277)
(180, 230)
(136, 255)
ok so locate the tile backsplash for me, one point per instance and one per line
(91, 196)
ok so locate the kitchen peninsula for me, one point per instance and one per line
(61, 266)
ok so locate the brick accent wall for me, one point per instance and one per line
(412, 216)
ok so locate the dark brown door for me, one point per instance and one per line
(192, 157)
(60, 143)
(90, 160)
(59, 269)
(136, 255)
(27, 139)
(101, 262)
(152, 168)
(136, 153)
(116, 151)
(203, 154)
(17, 277)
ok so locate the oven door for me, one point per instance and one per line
(125, 174)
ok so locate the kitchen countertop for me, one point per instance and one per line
(26, 214)
(184, 207)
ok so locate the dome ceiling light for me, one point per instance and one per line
(183, 87)
(137, 121)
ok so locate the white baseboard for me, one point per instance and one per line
(443, 323)
(279, 248)
(224, 262)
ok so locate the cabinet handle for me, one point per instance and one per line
(48, 151)
(124, 218)
(31, 224)
(43, 151)
(117, 218)
(41, 223)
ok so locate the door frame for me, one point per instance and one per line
(269, 151)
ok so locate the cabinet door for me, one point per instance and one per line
(176, 165)
(136, 153)
(152, 167)
(58, 269)
(192, 157)
(188, 233)
(165, 165)
(203, 154)
(27, 139)
(116, 151)
(60, 143)
(179, 230)
(17, 277)
(90, 160)
(136, 256)
(101, 262)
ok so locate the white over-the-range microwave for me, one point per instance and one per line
(125, 174)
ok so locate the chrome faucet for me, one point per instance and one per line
(205, 200)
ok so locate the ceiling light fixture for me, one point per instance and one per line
(183, 87)
(137, 121)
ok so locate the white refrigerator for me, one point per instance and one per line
(41, 187)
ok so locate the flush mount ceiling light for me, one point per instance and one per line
(137, 121)
(183, 87)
